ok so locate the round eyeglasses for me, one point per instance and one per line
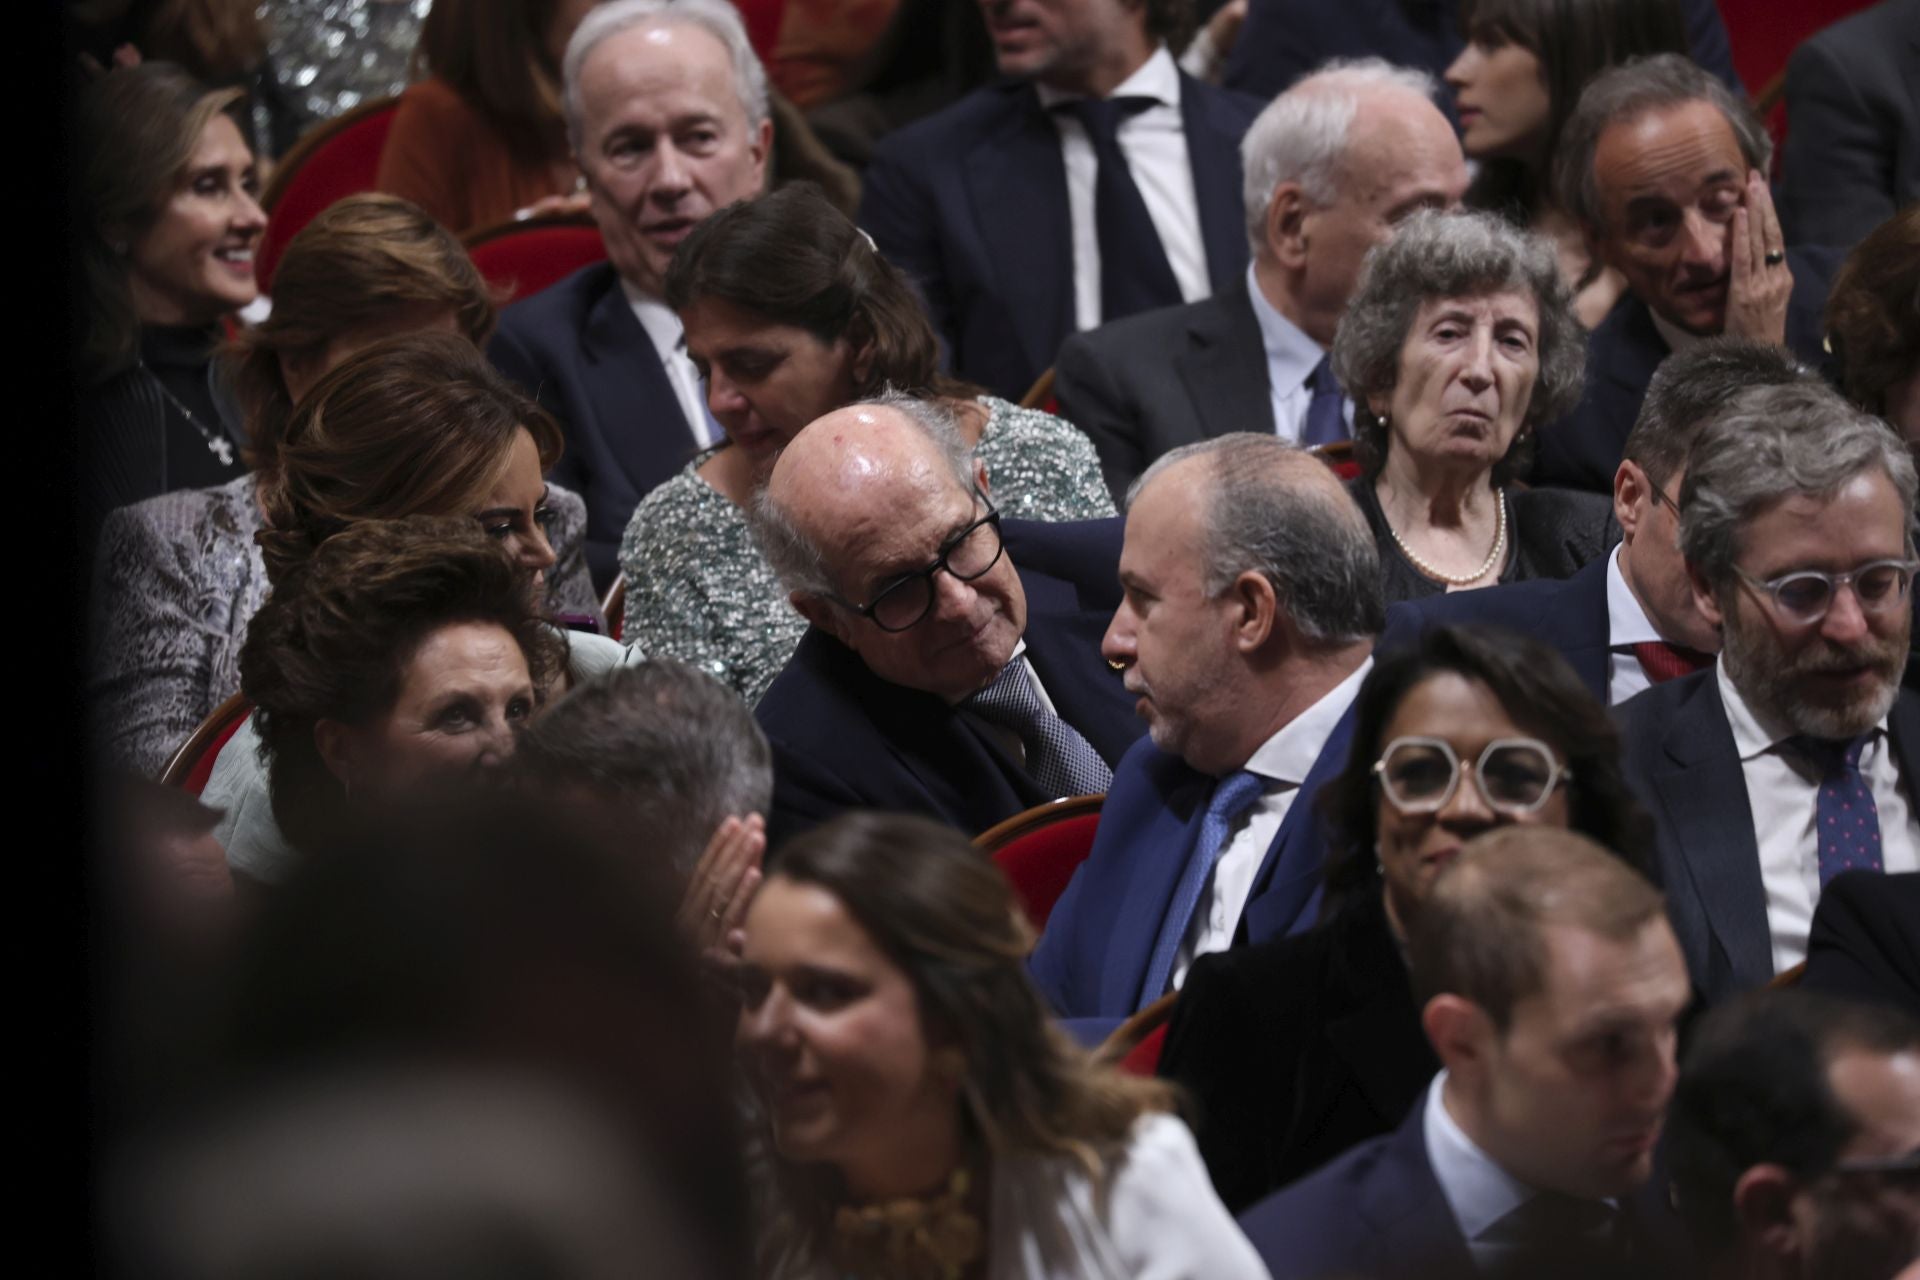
(967, 555)
(1513, 775)
(1805, 595)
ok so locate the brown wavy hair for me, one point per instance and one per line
(357, 263)
(494, 54)
(415, 425)
(333, 640)
(1873, 311)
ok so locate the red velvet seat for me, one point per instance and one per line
(1134, 1046)
(1038, 850)
(522, 258)
(192, 764)
(335, 158)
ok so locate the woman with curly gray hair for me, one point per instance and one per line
(1458, 344)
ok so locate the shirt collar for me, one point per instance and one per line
(657, 318)
(1627, 622)
(1289, 755)
(1157, 78)
(1676, 338)
(1291, 354)
(1755, 732)
(1479, 1191)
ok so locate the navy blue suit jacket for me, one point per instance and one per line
(1583, 449)
(843, 738)
(1678, 752)
(578, 349)
(1092, 959)
(972, 204)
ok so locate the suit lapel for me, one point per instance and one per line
(1161, 853)
(1403, 1204)
(1286, 888)
(1578, 625)
(1223, 365)
(639, 415)
(1903, 726)
(1635, 352)
(1018, 187)
(1213, 153)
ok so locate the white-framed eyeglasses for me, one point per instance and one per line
(1805, 595)
(1514, 776)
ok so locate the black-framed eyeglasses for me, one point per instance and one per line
(1660, 499)
(907, 599)
(1805, 595)
(1905, 1167)
(1513, 775)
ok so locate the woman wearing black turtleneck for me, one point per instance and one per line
(169, 187)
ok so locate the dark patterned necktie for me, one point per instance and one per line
(1326, 420)
(1232, 796)
(1058, 759)
(1134, 275)
(1844, 811)
(1558, 1235)
(1663, 662)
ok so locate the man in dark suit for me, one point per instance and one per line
(1852, 156)
(1628, 620)
(1865, 941)
(937, 677)
(1095, 182)
(1664, 170)
(1549, 983)
(1250, 601)
(1793, 759)
(1254, 357)
(665, 132)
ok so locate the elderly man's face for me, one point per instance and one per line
(1669, 181)
(1836, 677)
(664, 141)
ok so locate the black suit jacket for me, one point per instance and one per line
(1583, 449)
(1297, 1049)
(1679, 757)
(578, 349)
(1150, 383)
(972, 203)
(1865, 942)
(1852, 154)
(845, 739)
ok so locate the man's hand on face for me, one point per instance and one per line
(1757, 291)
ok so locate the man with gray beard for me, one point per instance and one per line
(1793, 758)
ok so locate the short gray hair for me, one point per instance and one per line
(1626, 92)
(1433, 256)
(717, 17)
(1767, 444)
(1301, 136)
(1309, 542)
(792, 553)
(1690, 386)
(668, 741)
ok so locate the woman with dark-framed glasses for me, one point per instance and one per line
(1299, 1048)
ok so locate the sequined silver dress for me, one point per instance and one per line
(699, 590)
(329, 56)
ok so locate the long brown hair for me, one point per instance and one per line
(415, 425)
(358, 262)
(494, 54)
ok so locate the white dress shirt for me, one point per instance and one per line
(1783, 794)
(670, 344)
(1284, 761)
(1154, 142)
(1291, 359)
(1627, 625)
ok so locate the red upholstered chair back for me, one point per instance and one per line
(192, 764)
(613, 606)
(1144, 1058)
(1038, 850)
(335, 158)
(522, 258)
(1134, 1046)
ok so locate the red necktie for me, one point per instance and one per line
(1663, 662)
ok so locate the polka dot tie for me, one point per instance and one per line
(1848, 820)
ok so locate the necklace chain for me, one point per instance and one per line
(217, 444)
(1493, 556)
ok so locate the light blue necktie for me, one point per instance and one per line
(1233, 795)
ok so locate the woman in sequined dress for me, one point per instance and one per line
(790, 312)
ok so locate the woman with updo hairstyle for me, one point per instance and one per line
(1873, 323)
(1514, 85)
(1458, 344)
(790, 312)
(925, 1118)
(397, 652)
(168, 191)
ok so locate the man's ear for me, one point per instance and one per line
(1630, 489)
(980, 478)
(1461, 1033)
(760, 146)
(338, 749)
(1285, 226)
(1763, 1208)
(1255, 611)
(1704, 597)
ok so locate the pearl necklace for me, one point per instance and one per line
(1493, 556)
(217, 444)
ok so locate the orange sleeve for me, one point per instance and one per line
(426, 159)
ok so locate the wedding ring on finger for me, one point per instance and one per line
(1775, 257)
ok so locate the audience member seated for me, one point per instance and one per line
(1665, 171)
(168, 191)
(667, 113)
(1251, 602)
(1330, 166)
(923, 1116)
(1457, 345)
(1549, 985)
(1852, 154)
(1630, 620)
(1095, 181)
(1296, 1049)
(661, 751)
(1794, 757)
(935, 677)
(478, 135)
(1874, 326)
(1865, 939)
(1515, 84)
(790, 313)
(178, 576)
(305, 39)
(1795, 1128)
